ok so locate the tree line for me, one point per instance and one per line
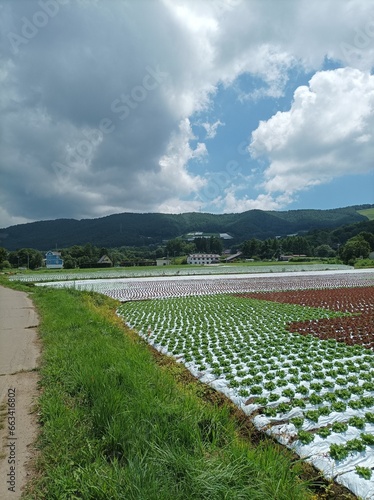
(357, 247)
(84, 256)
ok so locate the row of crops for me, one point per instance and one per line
(138, 272)
(183, 286)
(315, 396)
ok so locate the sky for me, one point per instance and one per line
(175, 106)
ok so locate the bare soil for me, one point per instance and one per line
(355, 329)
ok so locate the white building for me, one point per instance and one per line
(163, 262)
(203, 258)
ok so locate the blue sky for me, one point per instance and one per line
(236, 119)
(184, 105)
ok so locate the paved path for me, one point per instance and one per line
(19, 352)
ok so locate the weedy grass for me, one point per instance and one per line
(115, 425)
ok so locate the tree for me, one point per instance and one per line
(276, 248)
(103, 251)
(13, 259)
(251, 248)
(36, 259)
(369, 237)
(296, 245)
(324, 251)
(177, 247)
(75, 251)
(202, 245)
(116, 256)
(69, 262)
(159, 252)
(356, 247)
(266, 250)
(215, 245)
(91, 251)
(26, 257)
(3, 256)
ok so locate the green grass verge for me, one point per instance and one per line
(116, 425)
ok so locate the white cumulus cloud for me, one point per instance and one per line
(327, 133)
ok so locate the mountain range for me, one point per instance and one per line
(139, 229)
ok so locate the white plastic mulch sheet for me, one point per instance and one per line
(126, 289)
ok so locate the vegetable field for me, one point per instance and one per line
(130, 289)
(295, 351)
(292, 360)
(146, 272)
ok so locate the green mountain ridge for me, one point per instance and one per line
(138, 229)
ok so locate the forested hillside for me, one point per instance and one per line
(131, 229)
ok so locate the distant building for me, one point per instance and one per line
(233, 257)
(199, 234)
(105, 261)
(196, 235)
(203, 258)
(53, 260)
(163, 262)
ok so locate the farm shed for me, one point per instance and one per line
(233, 257)
(105, 261)
(163, 262)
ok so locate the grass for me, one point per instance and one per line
(117, 425)
(364, 263)
(367, 212)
